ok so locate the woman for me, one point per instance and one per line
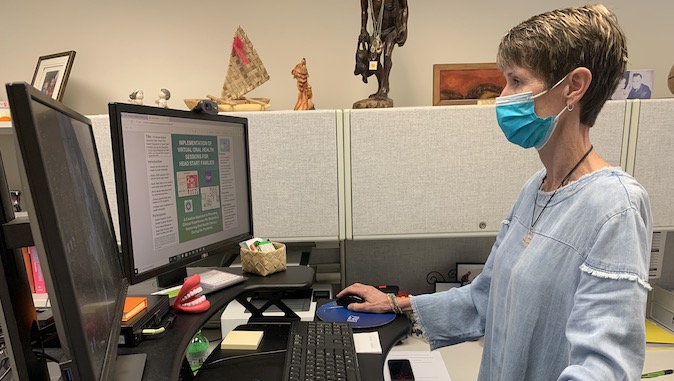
(623, 89)
(563, 292)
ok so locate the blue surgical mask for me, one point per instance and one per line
(520, 124)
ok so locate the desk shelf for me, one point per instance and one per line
(165, 355)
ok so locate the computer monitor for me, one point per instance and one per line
(72, 230)
(183, 188)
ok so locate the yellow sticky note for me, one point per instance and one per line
(248, 340)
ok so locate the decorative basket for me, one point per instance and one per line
(246, 71)
(264, 262)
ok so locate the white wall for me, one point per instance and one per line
(184, 45)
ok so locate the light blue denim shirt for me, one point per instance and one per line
(570, 305)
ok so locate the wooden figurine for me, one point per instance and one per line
(373, 55)
(305, 94)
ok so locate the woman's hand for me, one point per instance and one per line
(375, 300)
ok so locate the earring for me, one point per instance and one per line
(570, 107)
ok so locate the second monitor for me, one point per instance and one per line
(183, 188)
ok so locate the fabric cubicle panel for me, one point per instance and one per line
(444, 171)
(610, 133)
(432, 171)
(294, 174)
(653, 158)
(101, 127)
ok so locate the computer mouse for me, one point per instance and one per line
(348, 299)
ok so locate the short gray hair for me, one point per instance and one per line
(554, 43)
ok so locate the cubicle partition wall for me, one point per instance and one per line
(610, 134)
(652, 162)
(296, 175)
(431, 172)
(444, 171)
(101, 127)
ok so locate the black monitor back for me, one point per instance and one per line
(72, 229)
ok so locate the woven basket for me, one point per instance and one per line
(264, 262)
(241, 77)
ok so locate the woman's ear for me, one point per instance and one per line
(579, 80)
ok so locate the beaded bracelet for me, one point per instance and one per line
(393, 303)
(390, 302)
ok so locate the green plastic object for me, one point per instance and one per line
(197, 351)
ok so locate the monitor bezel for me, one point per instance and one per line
(41, 212)
(228, 246)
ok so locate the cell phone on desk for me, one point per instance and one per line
(400, 370)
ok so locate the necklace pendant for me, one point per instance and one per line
(377, 44)
(527, 238)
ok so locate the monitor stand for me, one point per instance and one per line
(172, 278)
(130, 367)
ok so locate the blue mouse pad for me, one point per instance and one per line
(331, 312)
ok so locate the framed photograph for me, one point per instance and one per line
(466, 272)
(444, 286)
(635, 84)
(466, 84)
(51, 73)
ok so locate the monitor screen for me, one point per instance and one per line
(183, 188)
(72, 230)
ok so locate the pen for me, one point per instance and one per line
(657, 374)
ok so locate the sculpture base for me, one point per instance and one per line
(374, 103)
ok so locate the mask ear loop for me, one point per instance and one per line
(555, 85)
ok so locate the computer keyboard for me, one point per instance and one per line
(213, 280)
(320, 350)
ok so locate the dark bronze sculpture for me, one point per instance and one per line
(373, 55)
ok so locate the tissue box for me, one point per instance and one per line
(264, 262)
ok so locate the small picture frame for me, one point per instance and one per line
(466, 272)
(444, 286)
(52, 72)
(466, 84)
(635, 84)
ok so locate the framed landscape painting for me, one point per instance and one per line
(461, 84)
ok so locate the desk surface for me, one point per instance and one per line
(463, 360)
(165, 354)
(268, 360)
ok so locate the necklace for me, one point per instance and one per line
(377, 45)
(529, 236)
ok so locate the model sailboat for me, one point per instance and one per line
(245, 73)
